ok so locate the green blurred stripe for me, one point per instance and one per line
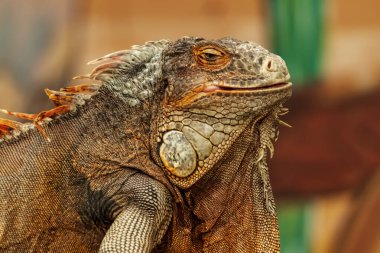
(298, 35)
(295, 227)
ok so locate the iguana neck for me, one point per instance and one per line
(114, 135)
(102, 132)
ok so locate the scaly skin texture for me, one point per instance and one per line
(166, 152)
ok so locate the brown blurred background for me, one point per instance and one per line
(325, 173)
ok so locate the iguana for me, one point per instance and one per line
(163, 149)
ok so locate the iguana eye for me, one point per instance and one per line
(211, 57)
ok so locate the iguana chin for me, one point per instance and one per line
(165, 151)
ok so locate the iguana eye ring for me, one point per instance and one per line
(211, 57)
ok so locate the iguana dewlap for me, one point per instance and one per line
(164, 151)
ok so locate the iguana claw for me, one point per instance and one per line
(261, 153)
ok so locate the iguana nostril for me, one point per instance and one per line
(269, 65)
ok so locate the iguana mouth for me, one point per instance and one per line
(238, 89)
(225, 88)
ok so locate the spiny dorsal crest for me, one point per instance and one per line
(130, 74)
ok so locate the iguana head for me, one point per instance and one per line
(214, 89)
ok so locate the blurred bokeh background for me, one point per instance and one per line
(325, 172)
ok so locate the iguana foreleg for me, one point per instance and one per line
(140, 226)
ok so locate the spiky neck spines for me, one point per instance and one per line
(129, 74)
(132, 74)
(65, 100)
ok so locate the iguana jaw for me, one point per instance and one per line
(227, 88)
(231, 89)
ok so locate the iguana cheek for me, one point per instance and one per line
(177, 154)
